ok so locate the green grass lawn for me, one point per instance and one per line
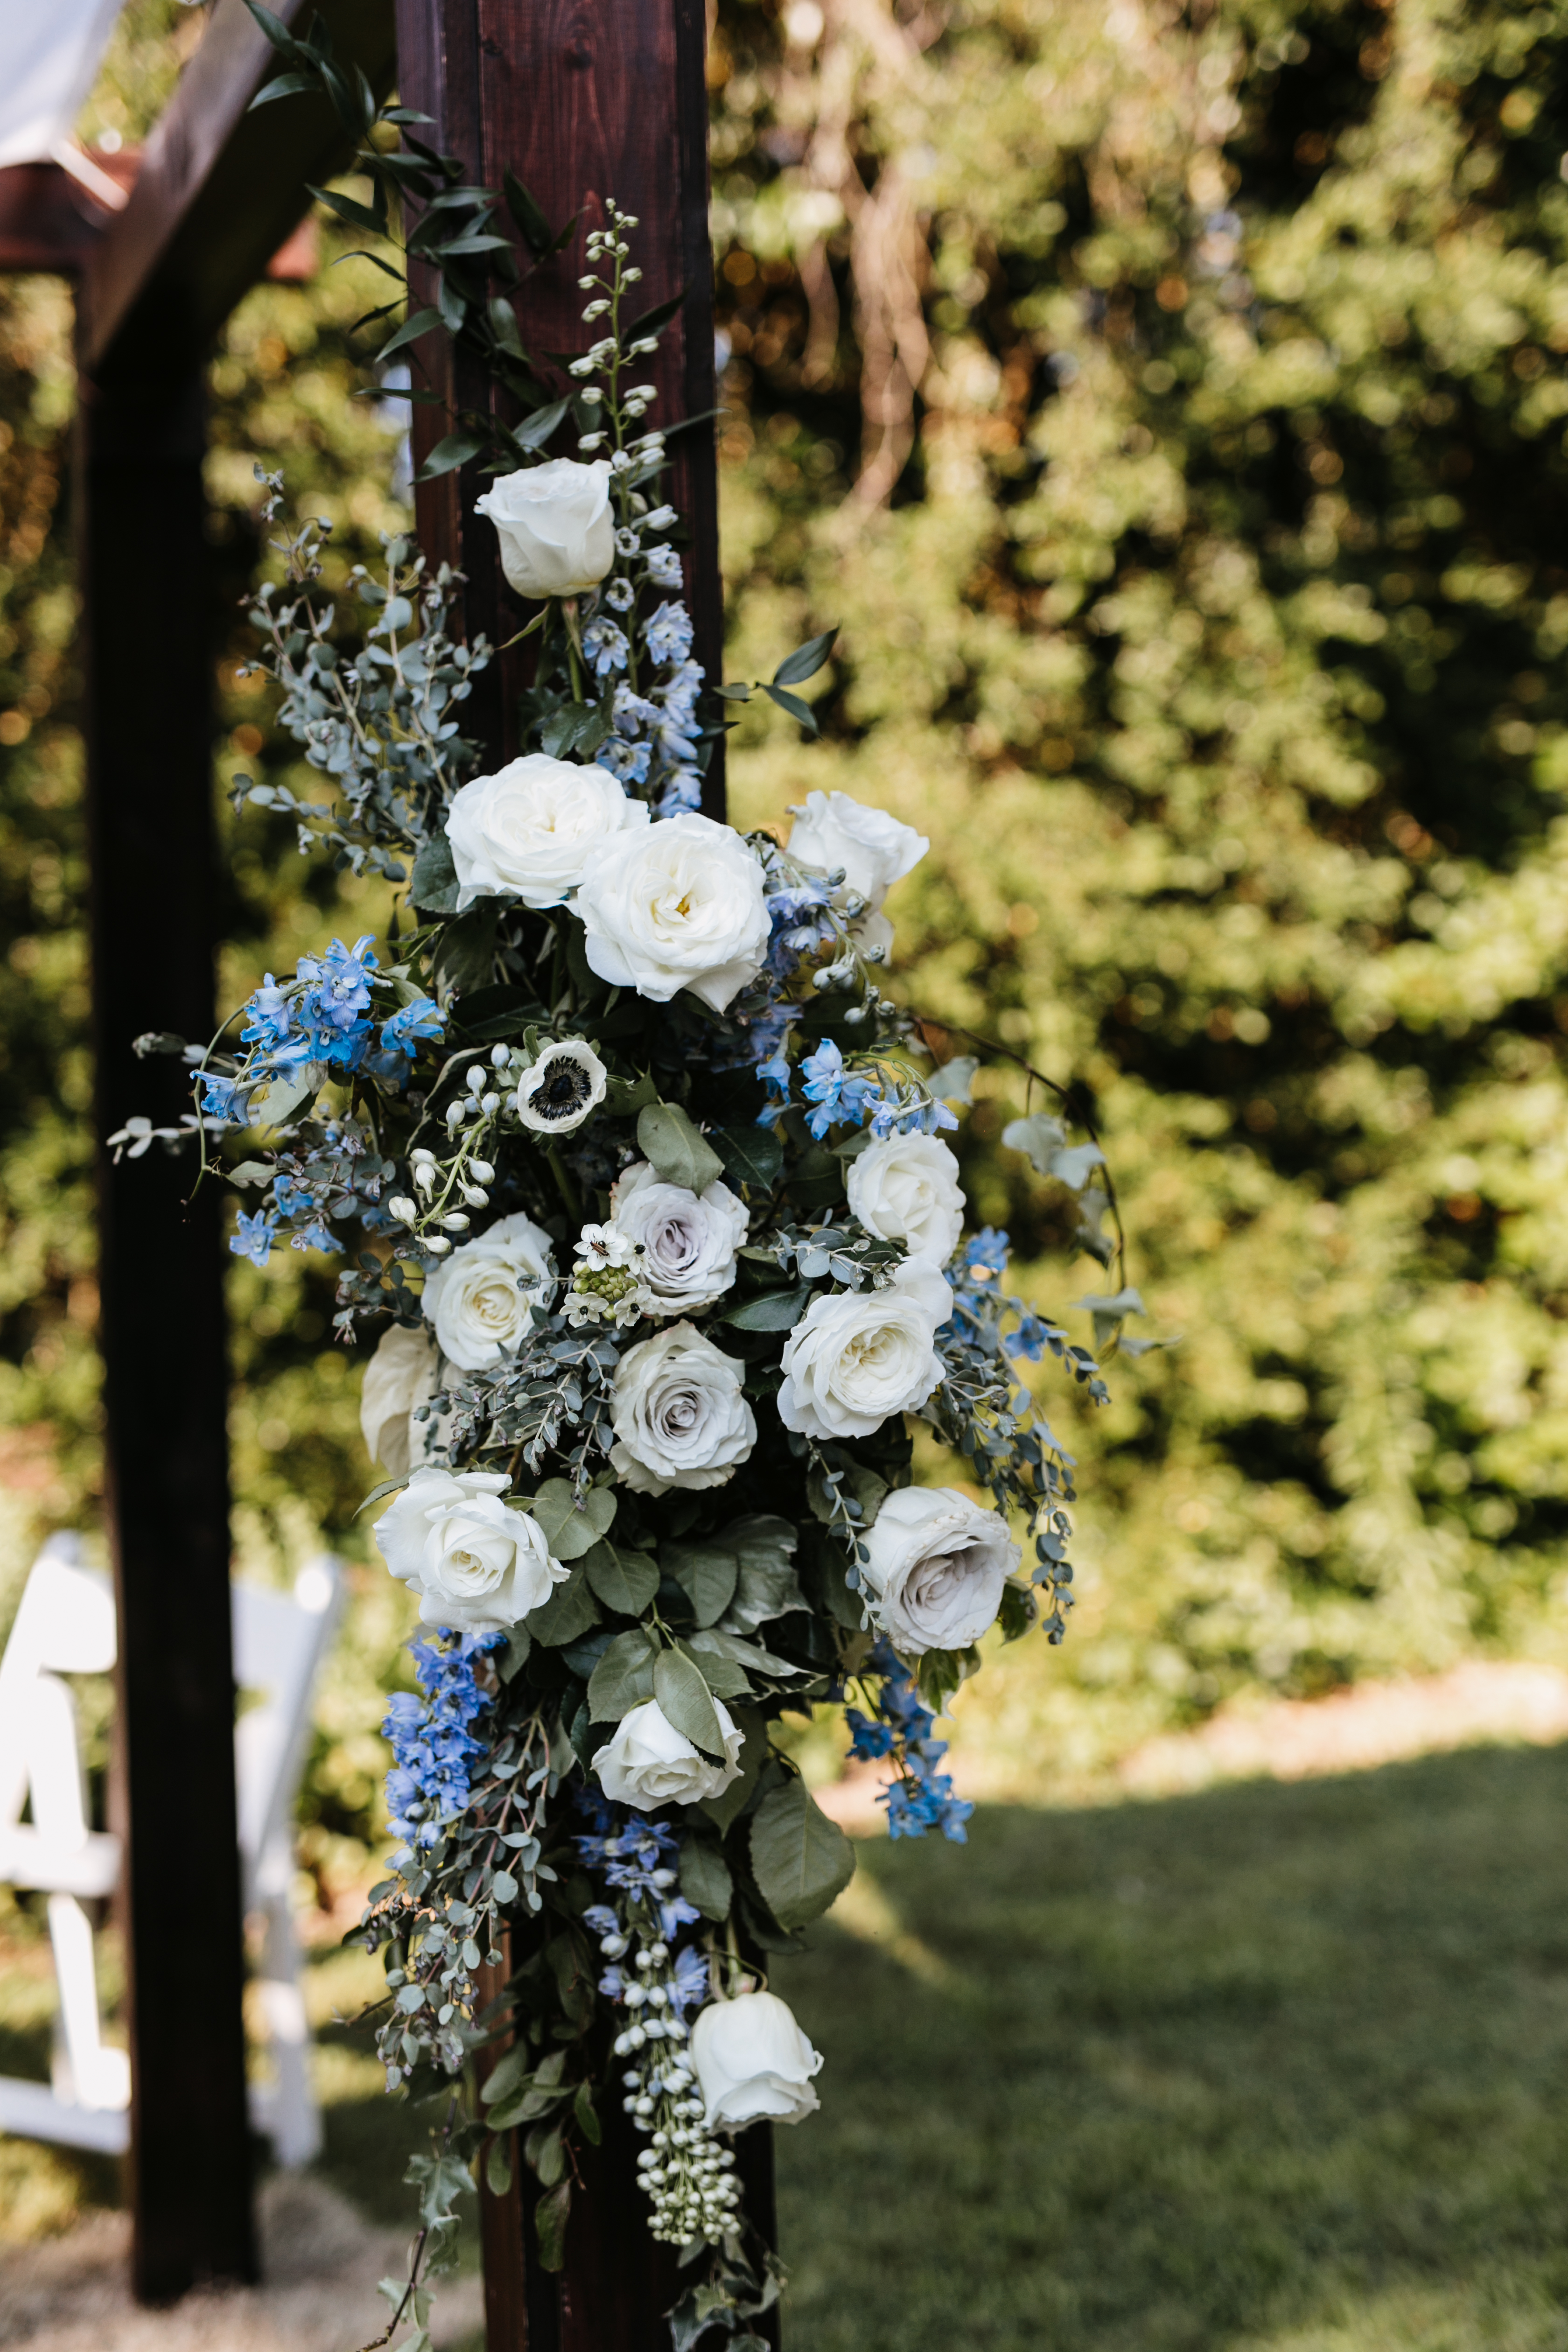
(1272, 2068)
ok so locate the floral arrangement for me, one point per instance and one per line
(640, 1184)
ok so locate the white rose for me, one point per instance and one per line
(474, 1563)
(686, 1240)
(649, 1763)
(479, 1299)
(873, 848)
(905, 1189)
(680, 1413)
(864, 1354)
(938, 1563)
(752, 2060)
(400, 1375)
(680, 905)
(556, 531)
(525, 832)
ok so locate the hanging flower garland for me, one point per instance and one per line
(639, 1184)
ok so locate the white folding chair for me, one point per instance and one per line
(66, 1625)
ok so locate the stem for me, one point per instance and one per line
(564, 1184)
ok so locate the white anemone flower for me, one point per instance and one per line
(564, 1087)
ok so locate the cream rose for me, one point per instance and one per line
(474, 1563)
(556, 530)
(864, 1354)
(938, 1563)
(873, 848)
(678, 905)
(477, 1300)
(679, 1414)
(751, 2059)
(905, 1189)
(685, 1242)
(649, 1763)
(526, 832)
(402, 1373)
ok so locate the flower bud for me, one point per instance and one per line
(438, 1244)
(481, 1171)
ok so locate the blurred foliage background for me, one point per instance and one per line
(1169, 403)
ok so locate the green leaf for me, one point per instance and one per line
(678, 1153)
(705, 1573)
(954, 1081)
(767, 1586)
(802, 1860)
(465, 954)
(510, 1661)
(705, 1878)
(685, 1701)
(348, 208)
(723, 1675)
(571, 1532)
(550, 2217)
(536, 231)
(625, 1582)
(771, 1310)
(497, 2167)
(277, 32)
(570, 1611)
(575, 726)
(794, 705)
(447, 454)
(623, 1096)
(750, 1155)
(506, 2076)
(624, 1677)
(733, 1801)
(535, 430)
(411, 330)
(652, 321)
(284, 86)
(588, 2123)
(806, 661)
(433, 886)
(281, 1099)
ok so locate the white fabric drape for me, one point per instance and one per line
(49, 53)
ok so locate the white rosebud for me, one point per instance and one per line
(528, 831)
(679, 905)
(753, 2060)
(873, 850)
(905, 1189)
(679, 1414)
(400, 1375)
(479, 1305)
(474, 1563)
(683, 1242)
(564, 1087)
(556, 532)
(649, 1763)
(865, 1354)
(937, 1567)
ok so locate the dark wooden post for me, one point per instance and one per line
(147, 656)
(218, 190)
(583, 100)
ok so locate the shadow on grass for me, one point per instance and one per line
(1272, 2066)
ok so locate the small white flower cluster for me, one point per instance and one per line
(607, 252)
(687, 2173)
(549, 1093)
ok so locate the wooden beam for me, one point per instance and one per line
(582, 102)
(221, 189)
(583, 99)
(46, 220)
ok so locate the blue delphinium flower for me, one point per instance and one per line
(421, 1020)
(836, 1094)
(605, 648)
(921, 1798)
(432, 1738)
(666, 634)
(254, 1239)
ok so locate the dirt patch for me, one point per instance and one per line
(320, 2263)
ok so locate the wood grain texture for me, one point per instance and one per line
(583, 100)
(147, 661)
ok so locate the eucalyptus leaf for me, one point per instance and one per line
(434, 884)
(801, 1859)
(750, 1155)
(955, 1080)
(705, 1878)
(280, 1100)
(677, 1152)
(569, 1611)
(625, 1582)
(624, 1677)
(706, 1574)
(571, 1532)
(685, 1701)
(805, 660)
